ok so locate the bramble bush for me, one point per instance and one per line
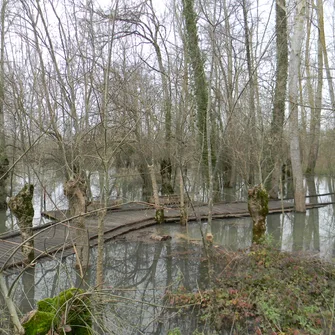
(265, 291)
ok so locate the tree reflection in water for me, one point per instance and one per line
(139, 273)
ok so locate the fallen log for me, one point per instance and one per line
(160, 237)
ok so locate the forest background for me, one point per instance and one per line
(207, 92)
(194, 96)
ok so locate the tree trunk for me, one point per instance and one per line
(105, 187)
(166, 174)
(296, 42)
(252, 142)
(258, 200)
(200, 83)
(183, 210)
(75, 191)
(322, 37)
(22, 207)
(11, 306)
(166, 164)
(279, 98)
(159, 217)
(315, 124)
(228, 71)
(146, 185)
(3, 156)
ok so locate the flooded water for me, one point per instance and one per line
(139, 273)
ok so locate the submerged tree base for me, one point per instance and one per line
(265, 291)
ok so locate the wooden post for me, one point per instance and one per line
(159, 217)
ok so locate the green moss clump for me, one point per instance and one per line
(71, 307)
(258, 201)
(46, 305)
(39, 324)
(263, 196)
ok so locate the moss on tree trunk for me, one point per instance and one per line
(159, 217)
(22, 207)
(199, 77)
(258, 200)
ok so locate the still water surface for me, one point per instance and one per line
(140, 273)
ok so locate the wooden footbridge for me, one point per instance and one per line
(57, 238)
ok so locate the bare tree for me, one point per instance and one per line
(294, 65)
(251, 100)
(277, 126)
(316, 104)
(199, 78)
(105, 156)
(3, 155)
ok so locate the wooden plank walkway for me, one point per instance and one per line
(58, 238)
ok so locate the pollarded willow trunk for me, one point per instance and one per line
(258, 201)
(22, 207)
(75, 190)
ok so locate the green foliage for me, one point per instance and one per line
(267, 292)
(70, 309)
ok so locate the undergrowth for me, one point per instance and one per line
(264, 291)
